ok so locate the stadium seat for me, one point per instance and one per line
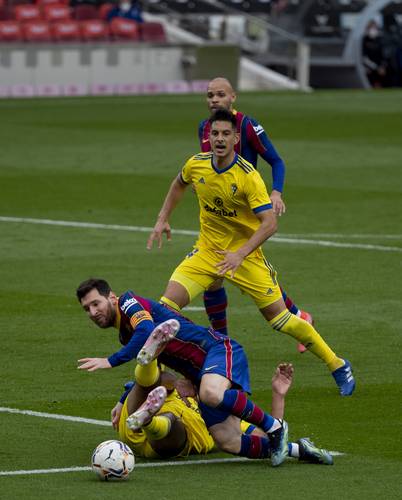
(94, 29)
(42, 3)
(36, 31)
(54, 12)
(10, 31)
(104, 10)
(153, 32)
(124, 29)
(5, 13)
(84, 12)
(64, 31)
(27, 12)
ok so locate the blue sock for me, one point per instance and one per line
(215, 303)
(254, 446)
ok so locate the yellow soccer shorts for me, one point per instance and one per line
(199, 441)
(255, 277)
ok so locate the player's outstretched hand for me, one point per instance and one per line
(278, 205)
(231, 262)
(115, 415)
(282, 379)
(159, 229)
(92, 364)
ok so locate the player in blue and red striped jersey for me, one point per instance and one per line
(253, 143)
(215, 363)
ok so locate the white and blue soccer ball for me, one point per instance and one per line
(112, 460)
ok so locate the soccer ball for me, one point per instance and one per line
(112, 460)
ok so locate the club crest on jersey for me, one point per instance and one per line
(234, 188)
(201, 181)
(218, 202)
(270, 291)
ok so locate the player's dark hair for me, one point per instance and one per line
(223, 115)
(86, 286)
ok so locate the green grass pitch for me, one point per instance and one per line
(110, 161)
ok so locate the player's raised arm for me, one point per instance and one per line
(173, 197)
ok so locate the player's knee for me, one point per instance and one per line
(210, 396)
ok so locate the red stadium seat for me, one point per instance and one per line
(54, 12)
(36, 31)
(124, 29)
(42, 3)
(5, 14)
(27, 12)
(153, 32)
(104, 10)
(10, 31)
(84, 12)
(94, 30)
(64, 31)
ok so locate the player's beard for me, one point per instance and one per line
(107, 319)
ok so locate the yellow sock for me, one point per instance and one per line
(170, 303)
(158, 428)
(306, 334)
(147, 375)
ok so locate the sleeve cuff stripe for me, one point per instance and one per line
(262, 208)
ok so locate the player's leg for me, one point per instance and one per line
(292, 307)
(258, 279)
(219, 400)
(286, 322)
(193, 276)
(303, 449)
(215, 302)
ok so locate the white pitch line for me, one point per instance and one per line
(56, 416)
(107, 424)
(140, 465)
(142, 229)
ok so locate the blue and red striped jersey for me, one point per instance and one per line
(138, 316)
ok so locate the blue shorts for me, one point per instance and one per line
(229, 360)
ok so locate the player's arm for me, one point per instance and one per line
(259, 140)
(175, 194)
(281, 382)
(232, 260)
(142, 324)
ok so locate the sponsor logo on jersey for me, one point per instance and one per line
(128, 303)
(220, 211)
(258, 129)
(218, 202)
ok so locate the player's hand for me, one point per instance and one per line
(278, 204)
(115, 415)
(92, 364)
(231, 262)
(185, 388)
(282, 379)
(160, 228)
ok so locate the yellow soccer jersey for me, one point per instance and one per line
(199, 441)
(228, 199)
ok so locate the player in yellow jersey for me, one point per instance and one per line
(166, 422)
(236, 217)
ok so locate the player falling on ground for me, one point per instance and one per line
(212, 361)
(236, 218)
(163, 421)
(253, 143)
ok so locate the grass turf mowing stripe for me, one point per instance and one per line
(143, 229)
